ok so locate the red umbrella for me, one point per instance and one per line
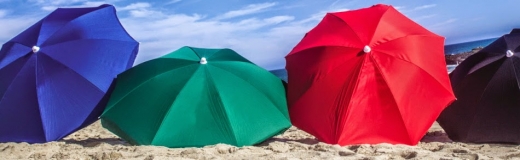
(367, 76)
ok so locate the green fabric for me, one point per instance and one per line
(175, 101)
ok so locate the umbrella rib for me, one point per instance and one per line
(350, 100)
(514, 71)
(254, 86)
(226, 49)
(3, 57)
(11, 84)
(484, 63)
(66, 24)
(480, 98)
(346, 24)
(418, 67)
(346, 61)
(173, 103)
(127, 93)
(72, 71)
(318, 47)
(406, 36)
(377, 25)
(50, 45)
(221, 105)
(393, 97)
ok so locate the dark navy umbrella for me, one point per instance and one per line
(54, 76)
(487, 87)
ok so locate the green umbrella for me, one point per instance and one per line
(195, 97)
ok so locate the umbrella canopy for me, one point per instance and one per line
(54, 75)
(487, 88)
(367, 76)
(194, 97)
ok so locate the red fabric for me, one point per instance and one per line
(392, 94)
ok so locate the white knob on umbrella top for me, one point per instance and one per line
(203, 60)
(35, 49)
(509, 53)
(367, 49)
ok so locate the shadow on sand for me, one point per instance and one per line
(92, 142)
(308, 141)
(436, 136)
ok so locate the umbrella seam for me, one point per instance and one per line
(39, 111)
(487, 57)
(254, 86)
(227, 49)
(211, 80)
(377, 25)
(348, 25)
(292, 55)
(221, 50)
(140, 84)
(114, 11)
(350, 100)
(45, 19)
(37, 99)
(346, 61)
(66, 24)
(5, 55)
(173, 101)
(132, 57)
(8, 87)
(396, 104)
(242, 78)
(280, 113)
(436, 80)
(341, 20)
(480, 98)
(303, 94)
(406, 36)
(74, 40)
(73, 71)
(514, 71)
(67, 68)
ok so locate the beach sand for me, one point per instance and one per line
(95, 142)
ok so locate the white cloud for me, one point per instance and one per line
(3, 13)
(143, 13)
(263, 41)
(334, 4)
(279, 19)
(399, 8)
(173, 1)
(93, 4)
(424, 7)
(84, 4)
(443, 23)
(403, 9)
(16, 25)
(250, 9)
(319, 16)
(141, 9)
(425, 17)
(57, 2)
(133, 6)
(51, 5)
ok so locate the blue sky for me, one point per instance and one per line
(261, 30)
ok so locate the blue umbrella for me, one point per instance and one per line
(54, 76)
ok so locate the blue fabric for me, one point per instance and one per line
(47, 95)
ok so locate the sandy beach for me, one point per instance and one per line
(95, 142)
